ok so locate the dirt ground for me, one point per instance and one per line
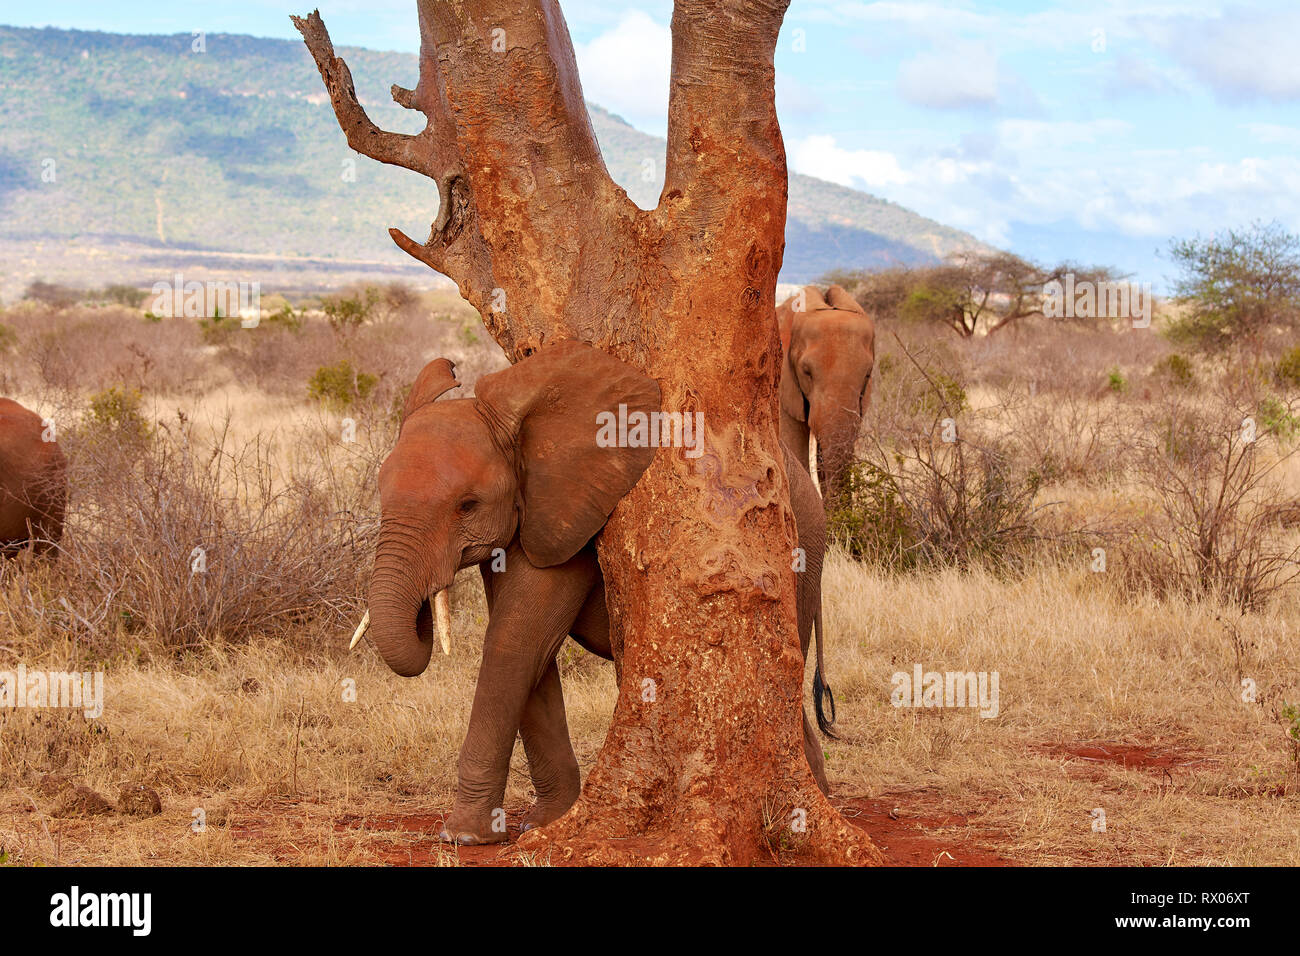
(912, 827)
(1121, 739)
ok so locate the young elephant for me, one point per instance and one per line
(33, 483)
(519, 468)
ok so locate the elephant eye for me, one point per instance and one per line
(466, 506)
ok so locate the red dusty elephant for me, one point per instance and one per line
(33, 482)
(517, 482)
(830, 352)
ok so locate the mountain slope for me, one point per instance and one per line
(141, 139)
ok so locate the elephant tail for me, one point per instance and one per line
(820, 688)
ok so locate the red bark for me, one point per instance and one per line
(703, 761)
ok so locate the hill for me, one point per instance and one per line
(125, 156)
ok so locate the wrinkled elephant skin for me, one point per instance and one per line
(516, 482)
(826, 373)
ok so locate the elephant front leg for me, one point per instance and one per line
(551, 761)
(479, 815)
(531, 611)
(506, 682)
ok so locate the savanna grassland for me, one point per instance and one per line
(1102, 533)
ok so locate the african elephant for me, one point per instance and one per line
(830, 350)
(516, 481)
(33, 482)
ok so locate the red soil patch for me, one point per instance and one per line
(425, 849)
(906, 831)
(1129, 756)
(381, 839)
(909, 835)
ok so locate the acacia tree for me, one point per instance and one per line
(703, 761)
(967, 292)
(1235, 285)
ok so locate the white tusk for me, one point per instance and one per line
(812, 466)
(442, 611)
(361, 630)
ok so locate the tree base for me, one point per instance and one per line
(802, 829)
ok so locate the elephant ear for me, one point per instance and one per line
(785, 323)
(814, 300)
(435, 378)
(547, 408)
(837, 298)
(792, 399)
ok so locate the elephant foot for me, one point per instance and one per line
(546, 812)
(466, 831)
(465, 838)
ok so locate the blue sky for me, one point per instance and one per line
(1091, 130)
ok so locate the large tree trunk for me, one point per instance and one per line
(704, 759)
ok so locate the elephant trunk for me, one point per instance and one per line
(401, 615)
(836, 438)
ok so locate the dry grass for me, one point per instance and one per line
(250, 716)
(263, 736)
(260, 736)
(1078, 662)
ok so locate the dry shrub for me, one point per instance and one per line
(1215, 528)
(362, 304)
(1061, 359)
(282, 361)
(73, 348)
(88, 347)
(284, 521)
(1286, 372)
(932, 503)
(931, 491)
(397, 300)
(179, 535)
(917, 375)
(279, 360)
(1064, 436)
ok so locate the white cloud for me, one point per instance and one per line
(1274, 134)
(626, 70)
(1078, 178)
(1131, 74)
(956, 76)
(1244, 53)
(819, 156)
(1019, 135)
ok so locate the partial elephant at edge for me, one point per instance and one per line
(829, 345)
(33, 482)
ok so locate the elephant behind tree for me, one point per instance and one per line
(33, 482)
(517, 482)
(830, 352)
